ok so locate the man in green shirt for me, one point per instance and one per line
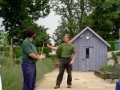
(66, 61)
(30, 57)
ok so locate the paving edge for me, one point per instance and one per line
(38, 82)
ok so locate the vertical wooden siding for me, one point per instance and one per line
(98, 54)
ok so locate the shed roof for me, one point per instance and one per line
(88, 28)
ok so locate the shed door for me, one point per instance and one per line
(87, 59)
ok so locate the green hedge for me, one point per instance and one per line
(12, 78)
(112, 48)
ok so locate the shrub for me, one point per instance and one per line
(108, 68)
(4, 61)
(17, 52)
(18, 60)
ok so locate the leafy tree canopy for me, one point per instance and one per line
(18, 15)
(103, 16)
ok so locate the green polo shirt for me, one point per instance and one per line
(27, 48)
(67, 50)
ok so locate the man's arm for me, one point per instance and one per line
(55, 48)
(37, 57)
(27, 49)
(73, 58)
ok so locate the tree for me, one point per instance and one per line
(105, 18)
(73, 14)
(19, 14)
(42, 36)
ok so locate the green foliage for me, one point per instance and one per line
(45, 51)
(118, 53)
(17, 52)
(3, 36)
(114, 57)
(21, 14)
(1, 48)
(42, 36)
(112, 43)
(108, 68)
(12, 77)
(73, 17)
(4, 61)
(105, 18)
(18, 60)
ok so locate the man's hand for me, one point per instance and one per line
(74, 56)
(42, 56)
(71, 62)
(55, 48)
(48, 45)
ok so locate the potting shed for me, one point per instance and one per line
(91, 50)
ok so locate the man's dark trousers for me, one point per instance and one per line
(29, 74)
(64, 64)
(117, 85)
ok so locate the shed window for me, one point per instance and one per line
(87, 53)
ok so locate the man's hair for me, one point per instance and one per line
(68, 36)
(30, 32)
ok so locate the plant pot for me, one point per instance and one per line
(103, 75)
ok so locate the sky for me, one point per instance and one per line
(50, 22)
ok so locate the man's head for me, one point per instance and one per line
(31, 33)
(66, 38)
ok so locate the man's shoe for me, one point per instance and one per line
(69, 86)
(57, 86)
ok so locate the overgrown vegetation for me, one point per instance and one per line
(12, 78)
